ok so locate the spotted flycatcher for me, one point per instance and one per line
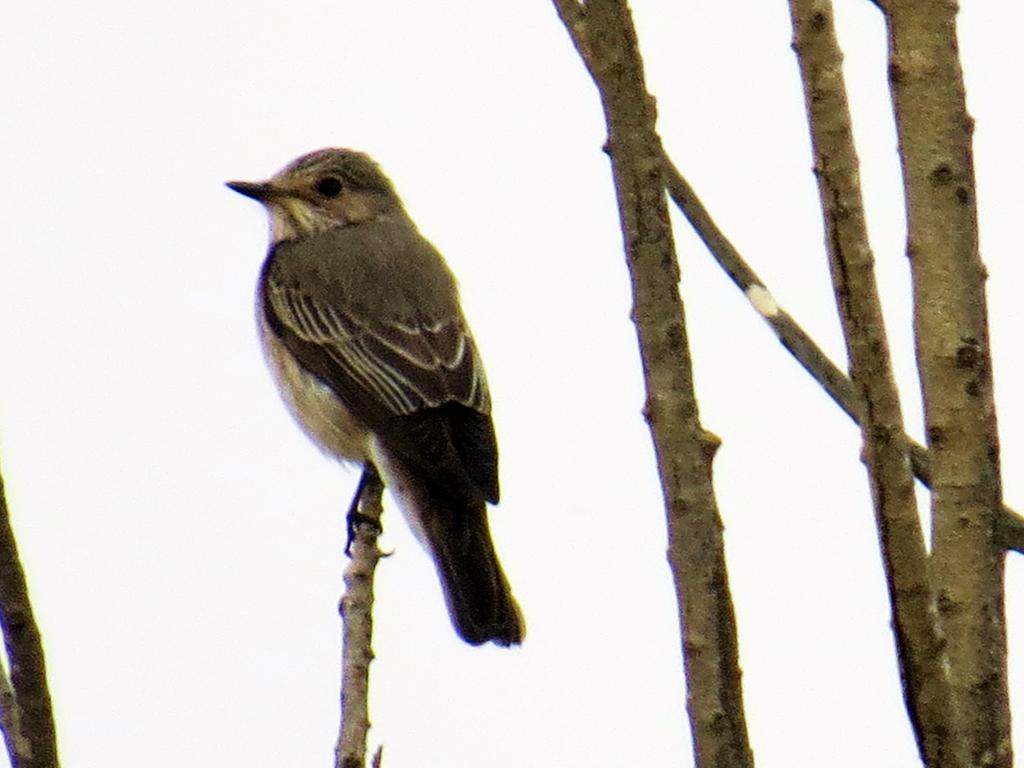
(362, 329)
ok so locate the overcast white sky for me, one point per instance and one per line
(183, 538)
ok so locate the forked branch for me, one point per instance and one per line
(955, 368)
(886, 450)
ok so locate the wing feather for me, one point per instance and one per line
(404, 367)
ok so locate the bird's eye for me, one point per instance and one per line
(329, 186)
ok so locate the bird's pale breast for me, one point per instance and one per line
(312, 403)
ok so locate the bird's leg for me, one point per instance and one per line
(355, 518)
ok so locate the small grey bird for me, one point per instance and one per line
(363, 332)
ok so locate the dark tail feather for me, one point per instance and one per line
(479, 599)
(449, 516)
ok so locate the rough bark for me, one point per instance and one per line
(603, 33)
(886, 451)
(954, 363)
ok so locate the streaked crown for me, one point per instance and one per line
(321, 190)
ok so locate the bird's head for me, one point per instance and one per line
(324, 189)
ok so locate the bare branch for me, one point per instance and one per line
(886, 453)
(34, 739)
(357, 611)
(795, 339)
(606, 40)
(954, 362)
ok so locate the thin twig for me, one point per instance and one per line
(357, 612)
(796, 340)
(603, 33)
(34, 742)
(886, 453)
(793, 337)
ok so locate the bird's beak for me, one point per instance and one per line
(261, 191)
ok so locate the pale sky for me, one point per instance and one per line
(183, 538)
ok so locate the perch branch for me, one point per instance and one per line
(357, 613)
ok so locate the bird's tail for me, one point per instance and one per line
(479, 599)
(450, 519)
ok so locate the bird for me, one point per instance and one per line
(362, 328)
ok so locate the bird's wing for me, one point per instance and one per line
(420, 384)
(403, 367)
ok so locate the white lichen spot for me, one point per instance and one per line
(762, 300)
(947, 668)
